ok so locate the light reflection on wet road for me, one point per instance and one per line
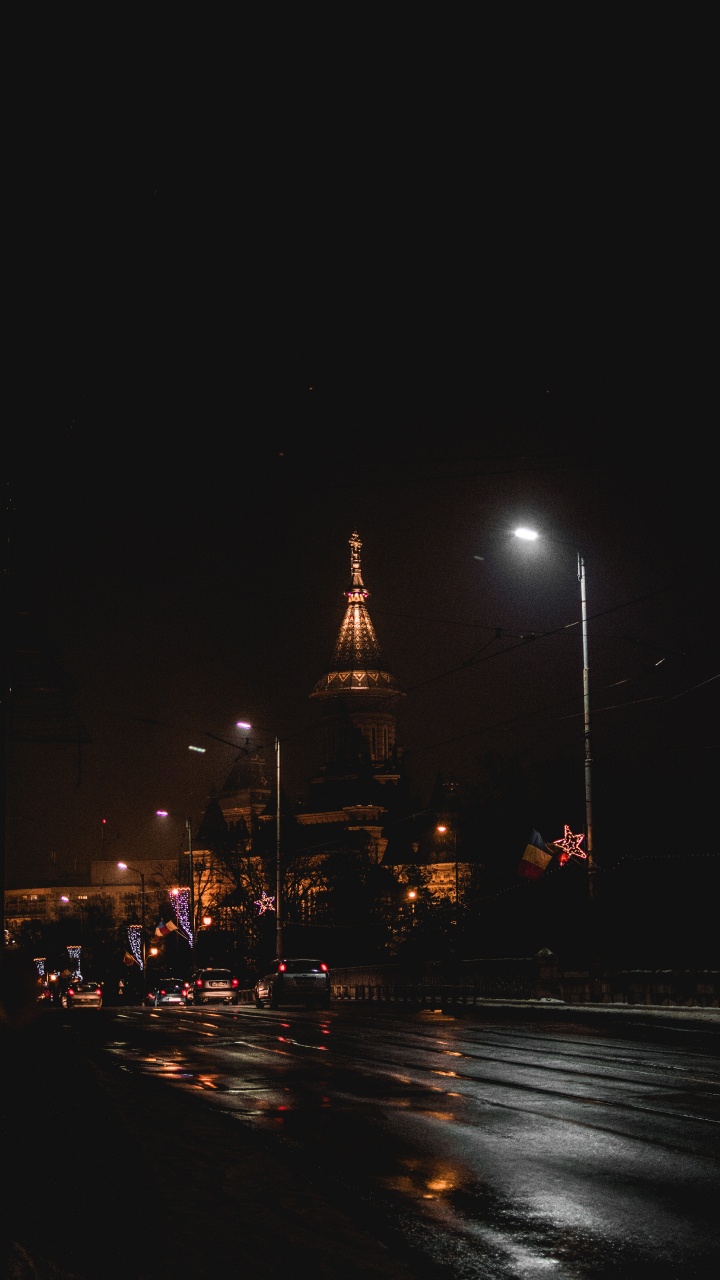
(496, 1150)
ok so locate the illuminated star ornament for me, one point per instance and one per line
(569, 846)
(264, 903)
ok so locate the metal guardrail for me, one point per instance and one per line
(524, 978)
(517, 978)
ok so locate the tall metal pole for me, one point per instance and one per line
(456, 872)
(278, 866)
(142, 917)
(188, 825)
(593, 949)
(586, 731)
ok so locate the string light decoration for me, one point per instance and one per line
(40, 962)
(134, 933)
(264, 903)
(74, 954)
(181, 900)
(569, 846)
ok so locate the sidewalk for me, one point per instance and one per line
(695, 1016)
(697, 1025)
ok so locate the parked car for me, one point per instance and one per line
(213, 986)
(83, 995)
(294, 981)
(168, 991)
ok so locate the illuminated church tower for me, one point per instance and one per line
(357, 697)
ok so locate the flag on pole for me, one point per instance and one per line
(536, 857)
(164, 927)
(128, 958)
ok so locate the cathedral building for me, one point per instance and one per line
(360, 781)
(358, 803)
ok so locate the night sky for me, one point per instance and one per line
(227, 361)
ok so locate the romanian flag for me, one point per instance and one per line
(535, 858)
(164, 927)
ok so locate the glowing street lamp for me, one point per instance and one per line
(530, 535)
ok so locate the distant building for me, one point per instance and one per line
(120, 892)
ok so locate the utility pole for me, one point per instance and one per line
(278, 863)
(188, 826)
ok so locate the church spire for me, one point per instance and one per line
(357, 664)
(357, 698)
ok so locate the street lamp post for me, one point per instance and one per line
(278, 867)
(188, 828)
(136, 871)
(530, 535)
(165, 813)
(443, 831)
(244, 724)
(64, 898)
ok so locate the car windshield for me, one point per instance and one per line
(85, 986)
(216, 975)
(303, 966)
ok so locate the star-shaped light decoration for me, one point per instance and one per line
(264, 903)
(569, 846)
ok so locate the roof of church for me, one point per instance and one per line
(357, 664)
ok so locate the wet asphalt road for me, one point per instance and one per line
(468, 1146)
(473, 1147)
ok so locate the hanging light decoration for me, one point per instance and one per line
(181, 899)
(74, 954)
(569, 846)
(134, 933)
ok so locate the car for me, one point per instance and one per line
(168, 991)
(83, 995)
(294, 981)
(214, 986)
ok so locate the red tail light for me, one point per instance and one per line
(324, 968)
(70, 991)
(98, 991)
(236, 982)
(282, 968)
(198, 982)
(163, 992)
